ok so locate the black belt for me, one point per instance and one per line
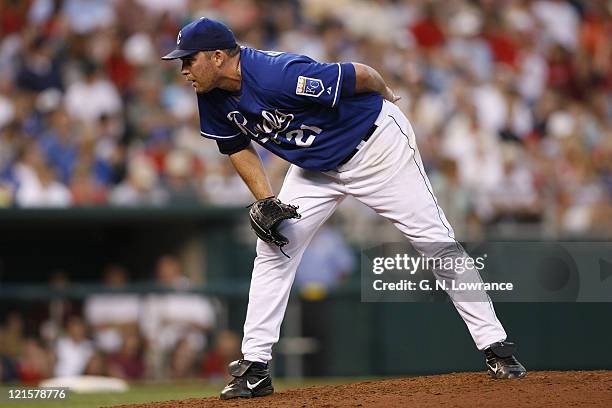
(354, 152)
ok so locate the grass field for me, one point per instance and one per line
(140, 393)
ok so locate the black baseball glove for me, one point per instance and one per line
(266, 215)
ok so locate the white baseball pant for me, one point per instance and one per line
(387, 175)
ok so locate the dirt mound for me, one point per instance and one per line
(538, 389)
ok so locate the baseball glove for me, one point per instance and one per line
(266, 215)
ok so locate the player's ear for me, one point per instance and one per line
(218, 58)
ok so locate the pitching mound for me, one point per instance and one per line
(539, 389)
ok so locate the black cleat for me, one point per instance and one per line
(501, 362)
(249, 381)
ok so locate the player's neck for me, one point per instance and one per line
(231, 80)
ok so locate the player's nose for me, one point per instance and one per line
(185, 68)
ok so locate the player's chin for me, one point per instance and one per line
(201, 89)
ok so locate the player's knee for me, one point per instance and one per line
(442, 249)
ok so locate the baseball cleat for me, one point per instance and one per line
(501, 363)
(250, 380)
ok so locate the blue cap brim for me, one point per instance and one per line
(178, 54)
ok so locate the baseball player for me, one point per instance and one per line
(339, 127)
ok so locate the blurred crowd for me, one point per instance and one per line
(123, 332)
(169, 335)
(510, 101)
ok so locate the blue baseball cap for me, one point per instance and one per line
(202, 35)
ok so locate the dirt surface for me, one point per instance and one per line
(537, 389)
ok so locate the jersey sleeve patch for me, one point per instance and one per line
(309, 87)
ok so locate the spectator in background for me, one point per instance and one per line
(36, 183)
(43, 190)
(12, 335)
(466, 44)
(327, 262)
(177, 317)
(96, 365)
(57, 310)
(475, 149)
(85, 16)
(127, 363)
(59, 144)
(560, 21)
(141, 187)
(34, 363)
(532, 73)
(514, 197)
(39, 67)
(108, 160)
(8, 372)
(7, 108)
(85, 189)
(225, 349)
(27, 159)
(13, 16)
(149, 120)
(111, 315)
(11, 140)
(73, 350)
(11, 346)
(6, 195)
(183, 360)
(92, 96)
(164, 6)
(179, 166)
(427, 31)
(455, 198)
(325, 265)
(223, 186)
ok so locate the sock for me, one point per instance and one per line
(262, 366)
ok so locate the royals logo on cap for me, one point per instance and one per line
(202, 35)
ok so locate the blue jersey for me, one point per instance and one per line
(301, 110)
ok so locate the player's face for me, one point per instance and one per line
(200, 70)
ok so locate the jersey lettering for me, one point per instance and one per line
(273, 125)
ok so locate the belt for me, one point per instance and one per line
(359, 146)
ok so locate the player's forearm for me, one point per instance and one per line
(250, 168)
(367, 79)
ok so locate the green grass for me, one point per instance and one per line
(154, 392)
